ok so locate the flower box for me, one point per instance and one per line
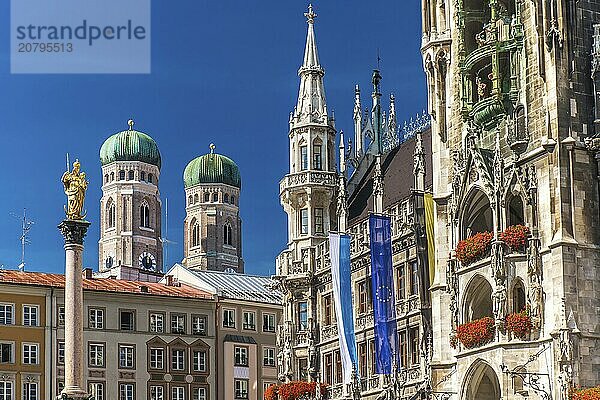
(295, 390)
(519, 324)
(515, 237)
(592, 393)
(473, 248)
(476, 333)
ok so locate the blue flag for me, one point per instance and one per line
(339, 251)
(382, 287)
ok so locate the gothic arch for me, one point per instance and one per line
(194, 233)
(476, 213)
(145, 214)
(110, 214)
(228, 233)
(518, 297)
(481, 382)
(477, 301)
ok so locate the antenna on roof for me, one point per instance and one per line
(25, 228)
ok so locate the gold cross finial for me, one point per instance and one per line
(212, 148)
(310, 15)
(130, 123)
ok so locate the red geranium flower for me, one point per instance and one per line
(471, 249)
(294, 390)
(476, 333)
(519, 324)
(515, 237)
(592, 393)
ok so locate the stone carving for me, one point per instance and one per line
(73, 231)
(499, 300)
(452, 288)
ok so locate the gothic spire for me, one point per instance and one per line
(358, 125)
(311, 106)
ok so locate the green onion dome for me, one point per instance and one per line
(212, 168)
(130, 145)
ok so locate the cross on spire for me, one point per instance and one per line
(212, 148)
(310, 15)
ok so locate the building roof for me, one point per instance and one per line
(212, 168)
(130, 145)
(232, 285)
(104, 285)
(398, 178)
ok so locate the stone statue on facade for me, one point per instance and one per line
(499, 298)
(75, 185)
(287, 357)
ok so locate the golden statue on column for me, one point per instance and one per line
(75, 186)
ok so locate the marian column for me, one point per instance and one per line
(74, 229)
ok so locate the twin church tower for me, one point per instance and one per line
(131, 243)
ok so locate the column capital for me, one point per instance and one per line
(73, 231)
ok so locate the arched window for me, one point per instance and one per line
(112, 176)
(516, 213)
(196, 198)
(518, 297)
(227, 235)
(477, 215)
(145, 215)
(106, 178)
(206, 197)
(233, 199)
(190, 199)
(478, 300)
(130, 177)
(110, 214)
(121, 175)
(150, 178)
(317, 155)
(143, 175)
(215, 197)
(195, 234)
(226, 198)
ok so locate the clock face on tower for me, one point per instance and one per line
(147, 260)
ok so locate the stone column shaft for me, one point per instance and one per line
(74, 232)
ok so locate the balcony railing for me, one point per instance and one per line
(308, 178)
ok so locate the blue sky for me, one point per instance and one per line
(223, 72)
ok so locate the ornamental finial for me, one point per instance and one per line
(212, 148)
(130, 123)
(310, 15)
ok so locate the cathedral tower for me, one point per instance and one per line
(307, 194)
(130, 245)
(212, 227)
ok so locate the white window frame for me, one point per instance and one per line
(269, 357)
(157, 358)
(157, 322)
(269, 316)
(199, 360)
(126, 348)
(60, 352)
(99, 350)
(123, 392)
(241, 353)
(6, 306)
(225, 312)
(12, 351)
(250, 323)
(243, 391)
(30, 354)
(30, 391)
(199, 393)
(157, 392)
(178, 323)
(96, 318)
(177, 361)
(199, 323)
(8, 384)
(177, 393)
(31, 315)
(93, 389)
